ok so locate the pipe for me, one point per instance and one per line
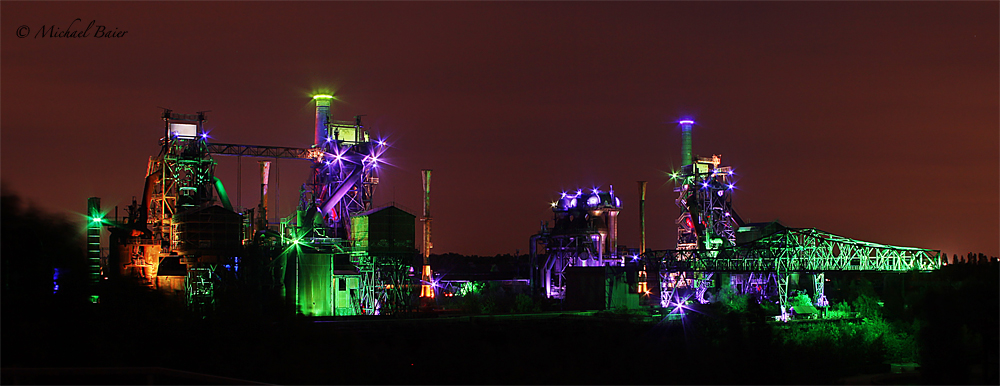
(344, 187)
(427, 275)
(642, 217)
(265, 171)
(222, 194)
(426, 174)
(533, 262)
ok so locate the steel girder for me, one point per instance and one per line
(801, 250)
(791, 250)
(261, 151)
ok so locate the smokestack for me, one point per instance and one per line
(427, 290)
(265, 171)
(686, 157)
(642, 217)
(322, 118)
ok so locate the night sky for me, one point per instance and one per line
(876, 121)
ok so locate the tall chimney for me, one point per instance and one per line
(265, 171)
(642, 217)
(427, 289)
(686, 157)
(322, 118)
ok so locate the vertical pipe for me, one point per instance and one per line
(643, 287)
(613, 234)
(427, 290)
(642, 217)
(265, 172)
(686, 157)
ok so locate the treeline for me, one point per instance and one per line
(971, 258)
(518, 265)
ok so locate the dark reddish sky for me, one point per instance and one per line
(877, 121)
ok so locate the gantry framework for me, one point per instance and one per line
(805, 250)
(707, 241)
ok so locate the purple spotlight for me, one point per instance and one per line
(731, 186)
(686, 122)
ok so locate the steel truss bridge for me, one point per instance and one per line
(261, 151)
(791, 250)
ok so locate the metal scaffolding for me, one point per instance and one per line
(791, 250)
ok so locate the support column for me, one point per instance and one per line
(782, 281)
(819, 285)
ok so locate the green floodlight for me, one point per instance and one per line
(96, 219)
(322, 96)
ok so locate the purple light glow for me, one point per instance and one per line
(686, 122)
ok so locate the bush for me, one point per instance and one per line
(524, 304)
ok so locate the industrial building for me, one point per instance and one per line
(335, 255)
(339, 255)
(579, 260)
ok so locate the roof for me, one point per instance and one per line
(390, 209)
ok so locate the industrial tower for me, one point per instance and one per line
(177, 240)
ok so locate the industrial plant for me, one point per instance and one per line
(338, 254)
